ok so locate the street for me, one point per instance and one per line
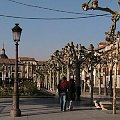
(48, 109)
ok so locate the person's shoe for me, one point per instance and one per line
(64, 110)
(68, 108)
(71, 109)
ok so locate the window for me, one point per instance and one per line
(6, 74)
(0, 74)
(12, 75)
(13, 69)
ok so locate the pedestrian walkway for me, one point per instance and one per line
(49, 109)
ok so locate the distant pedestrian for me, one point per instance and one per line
(71, 93)
(62, 90)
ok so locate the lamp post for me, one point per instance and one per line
(15, 111)
(91, 48)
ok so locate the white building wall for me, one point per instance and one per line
(118, 81)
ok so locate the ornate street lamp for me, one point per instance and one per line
(118, 2)
(15, 111)
(91, 48)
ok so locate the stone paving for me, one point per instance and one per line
(49, 109)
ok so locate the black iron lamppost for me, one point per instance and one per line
(91, 48)
(15, 111)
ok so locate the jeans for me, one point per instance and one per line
(63, 101)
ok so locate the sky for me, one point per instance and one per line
(42, 37)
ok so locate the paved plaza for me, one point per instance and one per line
(49, 109)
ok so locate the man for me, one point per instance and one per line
(62, 89)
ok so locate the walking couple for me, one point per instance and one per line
(66, 90)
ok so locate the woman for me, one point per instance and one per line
(71, 93)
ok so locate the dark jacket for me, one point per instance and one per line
(62, 86)
(71, 90)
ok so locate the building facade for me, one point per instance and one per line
(28, 69)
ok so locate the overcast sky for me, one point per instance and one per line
(41, 37)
